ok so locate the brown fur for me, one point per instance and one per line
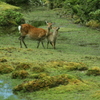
(52, 37)
(34, 33)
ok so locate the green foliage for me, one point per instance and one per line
(95, 15)
(10, 17)
(84, 9)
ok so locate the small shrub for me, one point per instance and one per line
(20, 74)
(4, 69)
(93, 71)
(11, 17)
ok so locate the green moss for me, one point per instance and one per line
(93, 71)
(5, 68)
(5, 6)
(96, 95)
(20, 74)
(73, 87)
(47, 82)
(3, 60)
(93, 24)
(75, 66)
(38, 69)
(38, 75)
(23, 66)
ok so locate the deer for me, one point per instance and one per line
(52, 37)
(33, 33)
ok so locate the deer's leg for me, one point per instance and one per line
(47, 44)
(42, 44)
(54, 44)
(38, 43)
(22, 38)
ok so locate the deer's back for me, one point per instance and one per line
(33, 32)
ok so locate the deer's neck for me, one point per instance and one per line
(48, 31)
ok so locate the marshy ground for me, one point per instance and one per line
(70, 72)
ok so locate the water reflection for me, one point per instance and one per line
(6, 92)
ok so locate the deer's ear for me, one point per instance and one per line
(58, 28)
(46, 22)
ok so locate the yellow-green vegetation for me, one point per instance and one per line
(47, 82)
(74, 86)
(3, 60)
(75, 66)
(10, 15)
(23, 66)
(93, 24)
(20, 74)
(94, 71)
(5, 6)
(96, 94)
(38, 75)
(5, 68)
(38, 69)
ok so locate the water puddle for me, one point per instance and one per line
(6, 92)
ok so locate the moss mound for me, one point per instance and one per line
(3, 60)
(38, 69)
(75, 66)
(93, 71)
(38, 75)
(5, 69)
(47, 82)
(23, 66)
(21, 74)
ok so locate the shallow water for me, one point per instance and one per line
(6, 92)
